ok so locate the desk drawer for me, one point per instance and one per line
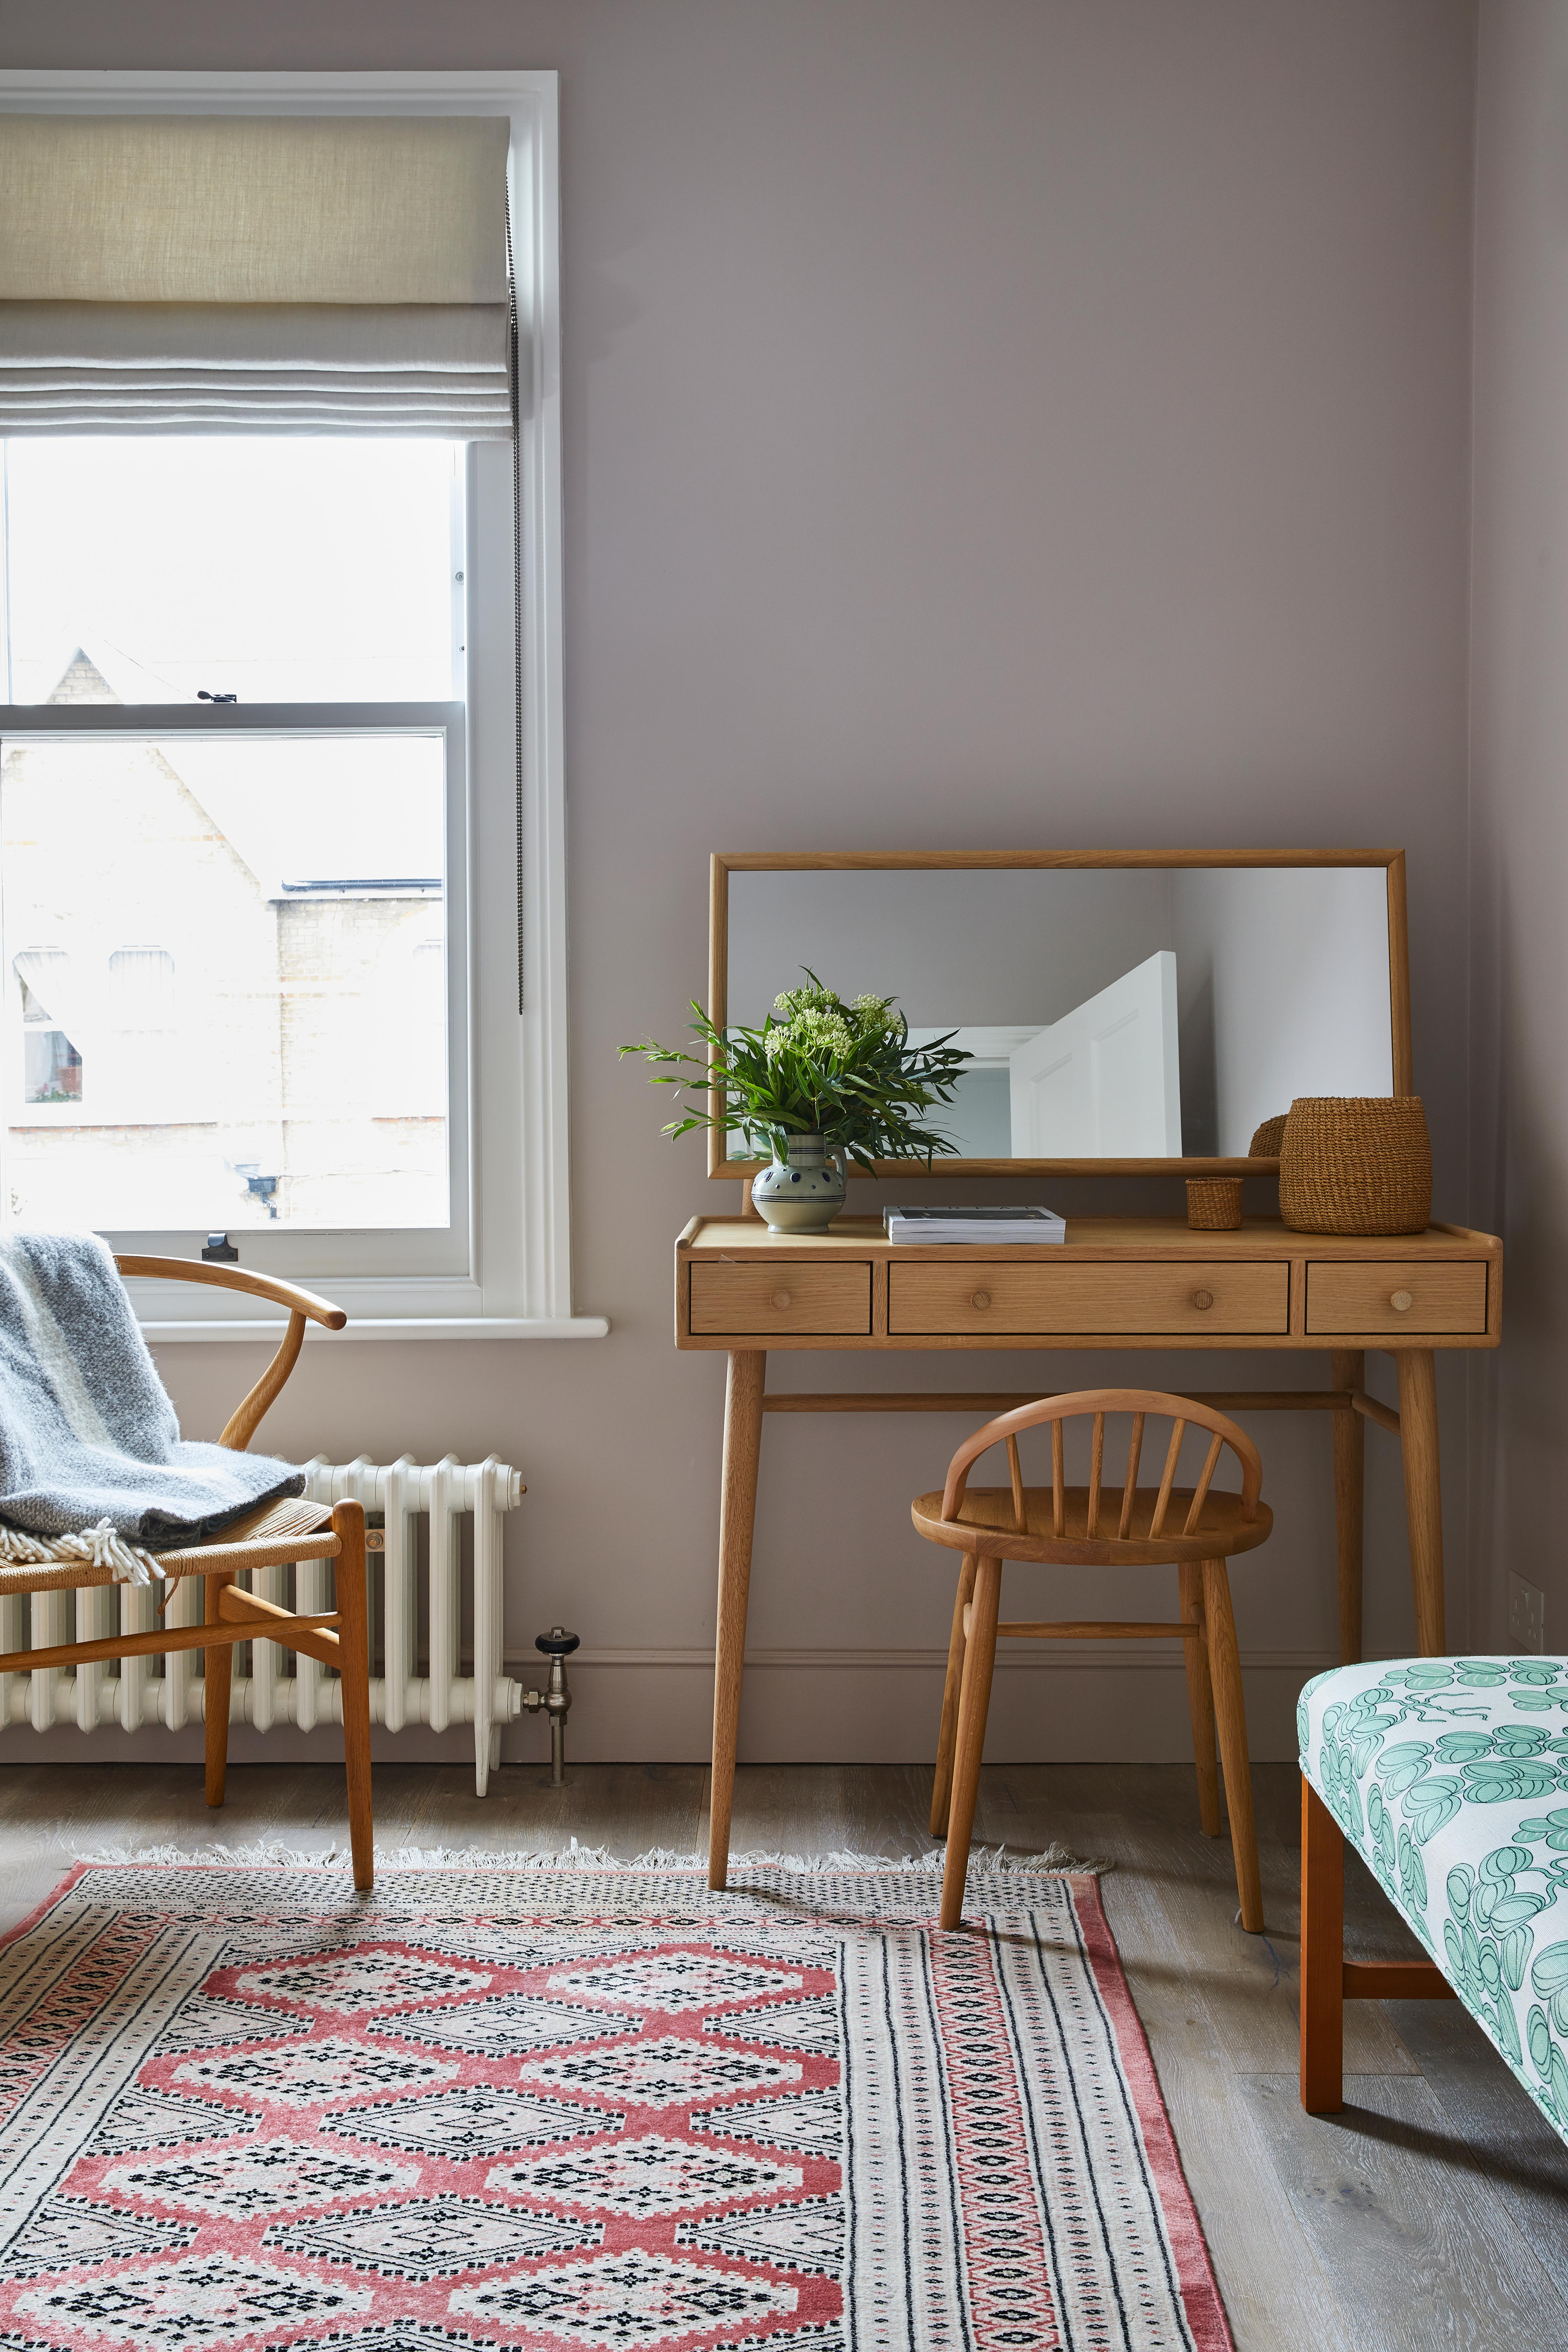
(1183, 1294)
(1384, 1295)
(827, 1298)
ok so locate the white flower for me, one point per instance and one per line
(814, 1032)
(874, 1016)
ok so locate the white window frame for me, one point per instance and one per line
(517, 1283)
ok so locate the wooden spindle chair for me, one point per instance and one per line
(1063, 1526)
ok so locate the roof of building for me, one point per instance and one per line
(308, 815)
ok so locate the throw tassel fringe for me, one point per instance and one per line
(98, 1547)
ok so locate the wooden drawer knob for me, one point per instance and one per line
(1402, 1302)
(982, 1299)
(781, 1298)
(1203, 1298)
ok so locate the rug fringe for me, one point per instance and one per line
(1056, 1861)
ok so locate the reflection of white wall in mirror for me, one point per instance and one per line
(1284, 992)
(1104, 1082)
(1020, 946)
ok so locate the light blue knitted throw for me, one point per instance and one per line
(92, 1464)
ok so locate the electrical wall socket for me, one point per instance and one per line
(1526, 1618)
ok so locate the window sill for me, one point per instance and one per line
(258, 1330)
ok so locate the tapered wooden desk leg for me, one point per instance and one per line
(1200, 1699)
(354, 1634)
(1423, 1493)
(1322, 1957)
(1225, 1667)
(219, 1665)
(737, 1515)
(1347, 1370)
(947, 1737)
(973, 1705)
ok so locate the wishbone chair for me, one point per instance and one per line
(1196, 1529)
(272, 1536)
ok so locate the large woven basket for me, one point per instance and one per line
(1356, 1164)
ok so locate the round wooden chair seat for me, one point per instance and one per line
(986, 1526)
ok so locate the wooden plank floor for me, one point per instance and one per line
(1433, 2211)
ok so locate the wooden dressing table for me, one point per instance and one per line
(1117, 1282)
(1286, 973)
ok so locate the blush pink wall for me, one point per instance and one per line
(1024, 421)
(1519, 798)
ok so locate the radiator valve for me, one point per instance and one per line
(555, 1699)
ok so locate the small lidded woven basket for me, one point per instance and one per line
(1213, 1203)
(1356, 1164)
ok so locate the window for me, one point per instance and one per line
(248, 979)
(51, 1065)
(272, 1087)
(294, 575)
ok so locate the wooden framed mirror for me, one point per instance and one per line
(1126, 1012)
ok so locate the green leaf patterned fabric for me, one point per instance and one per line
(1449, 1776)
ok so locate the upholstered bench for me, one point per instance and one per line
(1449, 1777)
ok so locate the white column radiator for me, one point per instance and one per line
(419, 1639)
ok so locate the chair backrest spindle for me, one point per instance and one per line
(1058, 1482)
(1134, 1454)
(1015, 1472)
(1096, 1471)
(1168, 1477)
(1201, 1492)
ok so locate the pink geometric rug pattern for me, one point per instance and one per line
(584, 2109)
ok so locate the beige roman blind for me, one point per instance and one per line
(254, 274)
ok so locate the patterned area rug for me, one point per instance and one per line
(564, 2107)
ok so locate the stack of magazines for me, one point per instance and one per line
(906, 1224)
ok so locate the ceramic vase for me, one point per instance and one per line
(803, 1194)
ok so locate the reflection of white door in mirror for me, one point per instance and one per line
(1104, 1081)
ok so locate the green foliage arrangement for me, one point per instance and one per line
(846, 1072)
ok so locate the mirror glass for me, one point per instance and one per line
(1129, 1012)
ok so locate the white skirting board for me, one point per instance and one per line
(872, 1706)
(1112, 1702)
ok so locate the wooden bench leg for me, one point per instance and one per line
(1322, 1957)
(1423, 1493)
(219, 1668)
(1347, 1370)
(974, 1701)
(353, 1635)
(947, 1739)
